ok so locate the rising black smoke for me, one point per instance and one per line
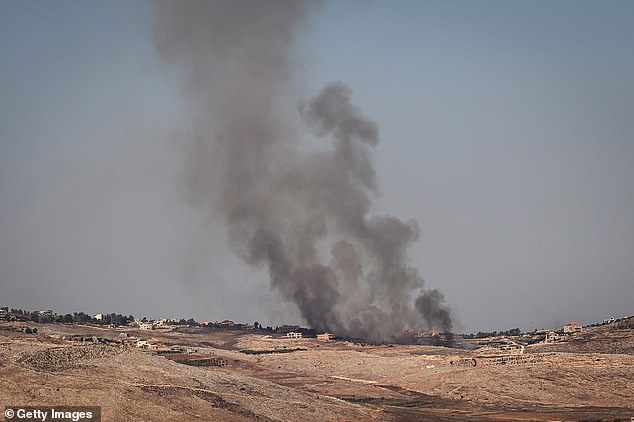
(305, 216)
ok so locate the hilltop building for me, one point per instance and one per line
(551, 337)
(146, 325)
(294, 335)
(572, 327)
(325, 337)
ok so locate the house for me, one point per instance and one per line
(146, 325)
(227, 323)
(572, 327)
(551, 337)
(146, 345)
(294, 335)
(142, 344)
(98, 317)
(325, 337)
(162, 323)
(609, 320)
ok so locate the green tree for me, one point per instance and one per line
(515, 332)
(81, 318)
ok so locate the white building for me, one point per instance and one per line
(294, 335)
(572, 327)
(162, 322)
(551, 337)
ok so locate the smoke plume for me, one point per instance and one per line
(304, 215)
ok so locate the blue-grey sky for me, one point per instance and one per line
(507, 132)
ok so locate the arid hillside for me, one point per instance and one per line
(237, 376)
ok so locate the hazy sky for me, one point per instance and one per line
(507, 132)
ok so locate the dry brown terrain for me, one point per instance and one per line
(586, 377)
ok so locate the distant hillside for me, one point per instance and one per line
(617, 337)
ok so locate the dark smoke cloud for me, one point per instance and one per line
(430, 305)
(304, 216)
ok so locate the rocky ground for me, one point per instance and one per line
(585, 377)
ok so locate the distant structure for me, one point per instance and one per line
(146, 325)
(325, 337)
(294, 335)
(146, 345)
(572, 327)
(609, 320)
(98, 317)
(551, 337)
(143, 344)
(512, 348)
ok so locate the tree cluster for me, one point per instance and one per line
(513, 332)
(74, 318)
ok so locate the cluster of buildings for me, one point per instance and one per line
(162, 323)
(570, 328)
